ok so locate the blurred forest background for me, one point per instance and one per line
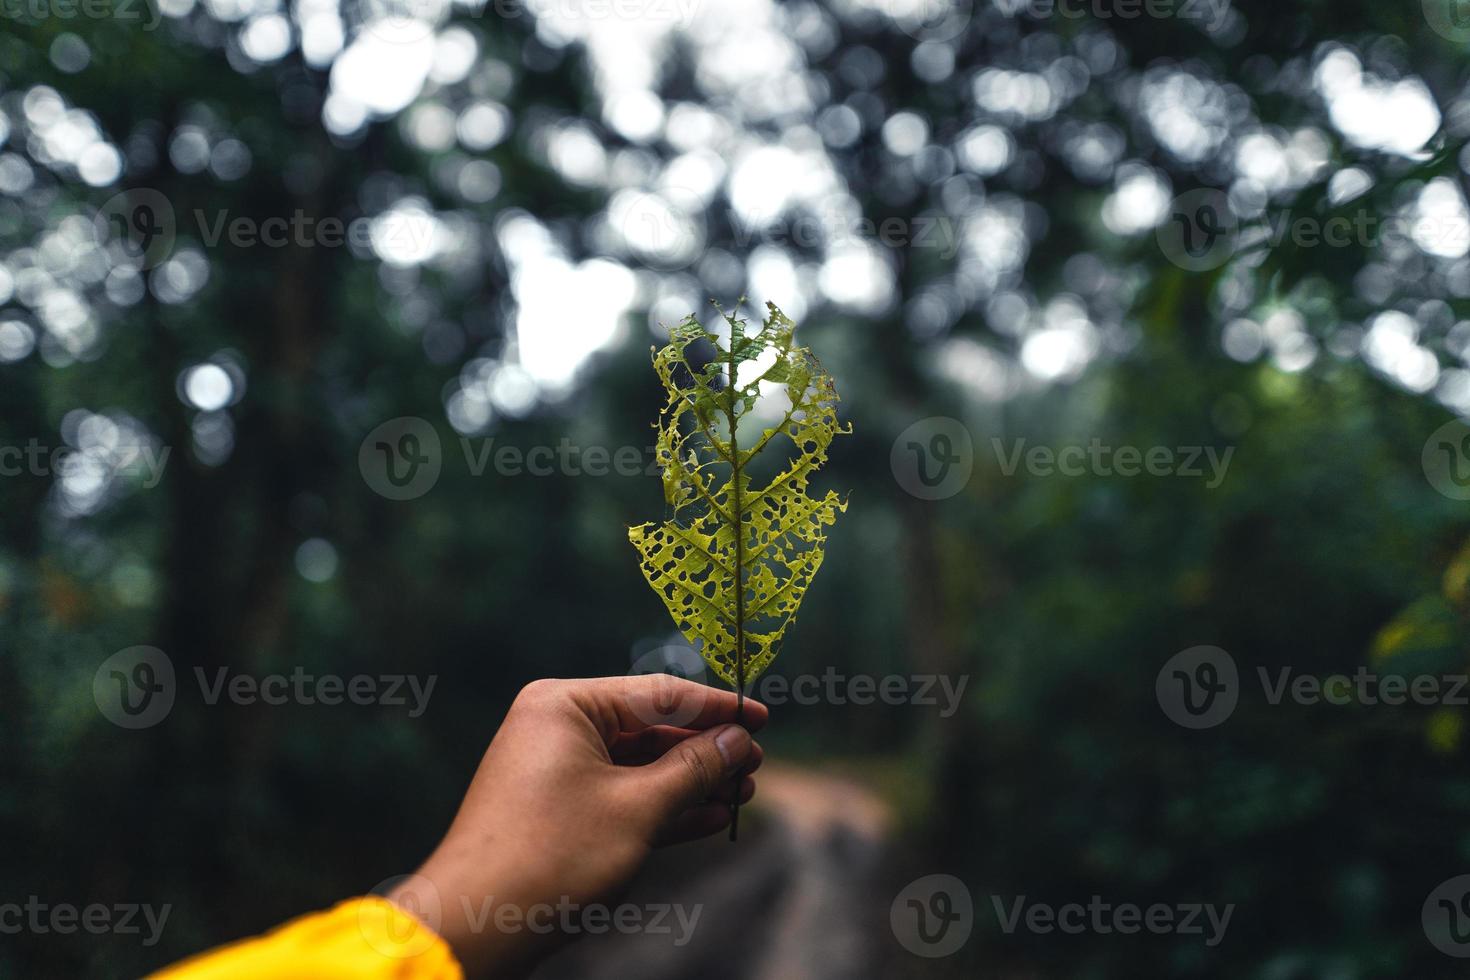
(543, 185)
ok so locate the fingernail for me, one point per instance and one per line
(734, 745)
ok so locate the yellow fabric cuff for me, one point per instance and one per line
(362, 939)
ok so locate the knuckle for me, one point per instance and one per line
(666, 690)
(696, 762)
(539, 693)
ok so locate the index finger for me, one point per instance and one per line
(632, 704)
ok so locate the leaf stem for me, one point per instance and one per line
(739, 501)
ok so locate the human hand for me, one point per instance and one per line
(583, 778)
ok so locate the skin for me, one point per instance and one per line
(583, 779)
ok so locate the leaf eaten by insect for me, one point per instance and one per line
(734, 560)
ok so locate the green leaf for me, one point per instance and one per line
(1424, 637)
(734, 560)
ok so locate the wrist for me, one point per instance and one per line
(464, 913)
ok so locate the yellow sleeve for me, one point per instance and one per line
(362, 939)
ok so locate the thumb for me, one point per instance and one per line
(690, 772)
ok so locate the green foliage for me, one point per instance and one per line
(733, 562)
(1058, 597)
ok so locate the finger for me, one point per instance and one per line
(756, 757)
(631, 704)
(701, 821)
(640, 748)
(692, 771)
(725, 792)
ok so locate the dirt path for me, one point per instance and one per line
(799, 897)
